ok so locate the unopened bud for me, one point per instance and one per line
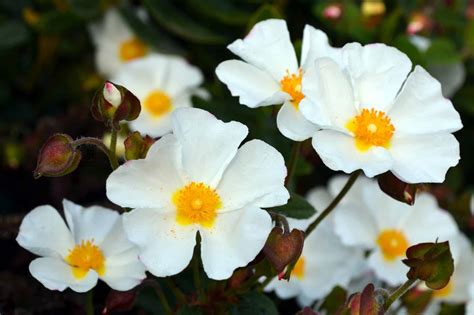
(397, 189)
(419, 23)
(118, 301)
(283, 249)
(136, 146)
(112, 94)
(332, 12)
(57, 157)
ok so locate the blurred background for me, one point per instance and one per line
(49, 76)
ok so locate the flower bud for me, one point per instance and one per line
(112, 94)
(118, 301)
(57, 157)
(136, 146)
(367, 302)
(114, 103)
(397, 189)
(282, 249)
(332, 12)
(419, 23)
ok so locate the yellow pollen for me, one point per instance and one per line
(371, 128)
(392, 243)
(298, 270)
(132, 49)
(157, 103)
(84, 257)
(196, 203)
(444, 292)
(291, 84)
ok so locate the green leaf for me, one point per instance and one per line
(403, 43)
(255, 303)
(189, 310)
(12, 33)
(297, 207)
(86, 9)
(442, 51)
(222, 11)
(175, 21)
(469, 36)
(265, 12)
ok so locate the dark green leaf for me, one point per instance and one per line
(442, 51)
(266, 11)
(188, 310)
(86, 9)
(12, 33)
(297, 207)
(255, 303)
(222, 11)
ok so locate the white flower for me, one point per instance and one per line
(93, 246)
(115, 43)
(199, 180)
(388, 227)
(376, 119)
(162, 83)
(470, 304)
(270, 73)
(324, 263)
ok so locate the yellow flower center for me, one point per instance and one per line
(298, 270)
(84, 257)
(371, 128)
(392, 243)
(291, 84)
(132, 49)
(444, 292)
(157, 103)
(196, 203)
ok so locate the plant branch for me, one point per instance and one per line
(90, 302)
(295, 152)
(99, 145)
(398, 293)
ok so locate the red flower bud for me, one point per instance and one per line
(57, 157)
(282, 249)
(136, 146)
(332, 12)
(397, 189)
(119, 301)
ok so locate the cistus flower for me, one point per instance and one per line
(375, 118)
(162, 83)
(92, 246)
(269, 73)
(324, 263)
(386, 227)
(197, 179)
(115, 43)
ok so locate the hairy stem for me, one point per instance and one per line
(295, 152)
(398, 293)
(90, 302)
(113, 149)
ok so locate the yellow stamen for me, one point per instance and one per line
(196, 203)
(157, 103)
(132, 49)
(298, 270)
(84, 257)
(392, 243)
(291, 84)
(371, 128)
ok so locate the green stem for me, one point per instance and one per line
(98, 144)
(180, 297)
(398, 293)
(90, 302)
(197, 279)
(295, 152)
(334, 203)
(280, 220)
(113, 149)
(159, 292)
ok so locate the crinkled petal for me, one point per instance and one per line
(392, 271)
(253, 86)
(149, 182)
(165, 247)
(316, 45)
(293, 125)
(208, 144)
(234, 240)
(180, 76)
(258, 170)
(91, 223)
(420, 108)
(329, 94)
(44, 233)
(124, 272)
(355, 225)
(55, 274)
(268, 47)
(424, 158)
(378, 72)
(146, 124)
(339, 153)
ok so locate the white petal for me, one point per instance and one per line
(316, 45)
(253, 86)
(330, 94)
(44, 233)
(319, 198)
(424, 158)
(235, 240)
(150, 182)
(392, 271)
(284, 289)
(91, 223)
(354, 195)
(166, 248)
(146, 124)
(451, 76)
(293, 125)
(355, 225)
(123, 276)
(116, 241)
(339, 153)
(258, 170)
(426, 222)
(378, 72)
(180, 76)
(420, 108)
(268, 47)
(208, 144)
(55, 274)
